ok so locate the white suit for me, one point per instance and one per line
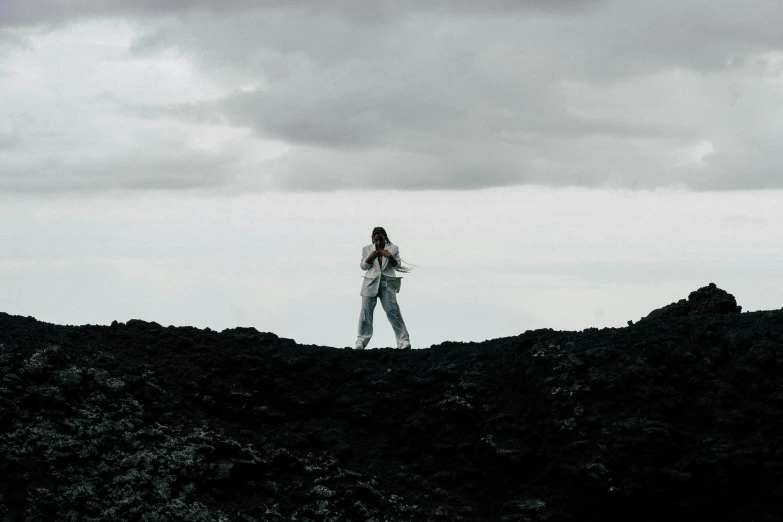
(380, 280)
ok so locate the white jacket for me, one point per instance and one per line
(373, 273)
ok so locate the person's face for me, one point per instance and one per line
(379, 241)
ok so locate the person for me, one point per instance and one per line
(379, 262)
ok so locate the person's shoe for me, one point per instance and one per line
(358, 346)
(404, 346)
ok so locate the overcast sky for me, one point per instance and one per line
(546, 163)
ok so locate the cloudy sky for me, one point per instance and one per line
(555, 163)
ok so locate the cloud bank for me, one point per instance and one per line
(248, 96)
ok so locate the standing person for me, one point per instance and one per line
(379, 261)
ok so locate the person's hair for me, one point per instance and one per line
(380, 230)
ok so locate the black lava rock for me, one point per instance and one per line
(676, 418)
(704, 301)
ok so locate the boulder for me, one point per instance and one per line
(705, 301)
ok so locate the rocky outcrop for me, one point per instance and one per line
(674, 418)
(706, 300)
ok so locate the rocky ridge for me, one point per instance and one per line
(677, 417)
(704, 301)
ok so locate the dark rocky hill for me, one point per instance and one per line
(704, 301)
(677, 417)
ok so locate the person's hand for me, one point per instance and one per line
(385, 253)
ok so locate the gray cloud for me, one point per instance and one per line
(9, 138)
(21, 13)
(9, 39)
(465, 95)
(164, 169)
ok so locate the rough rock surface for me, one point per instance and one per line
(674, 418)
(706, 300)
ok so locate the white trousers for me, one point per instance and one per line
(392, 309)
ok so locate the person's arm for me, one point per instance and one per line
(396, 259)
(375, 254)
(366, 264)
(392, 257)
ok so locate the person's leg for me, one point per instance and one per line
(365, 321)
(392, 309)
